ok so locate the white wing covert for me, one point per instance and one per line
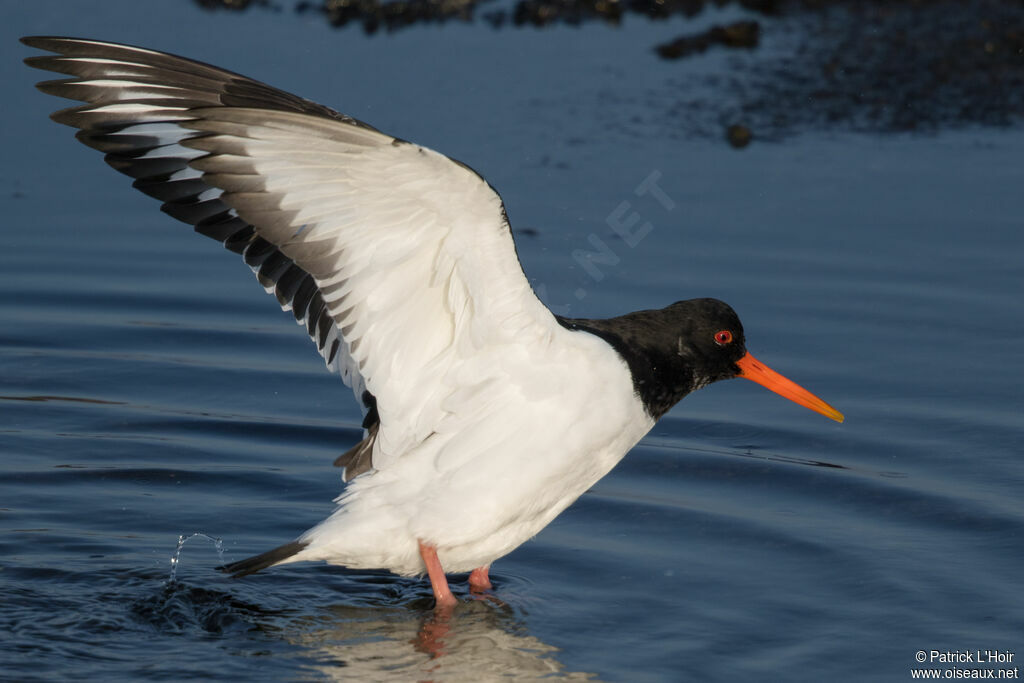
(398, 260)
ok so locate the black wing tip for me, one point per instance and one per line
(51, 43)
(35, 41)
(38, 43)
(251, 565)
(47, 42)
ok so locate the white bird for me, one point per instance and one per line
(485, 414)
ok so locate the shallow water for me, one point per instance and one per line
(149, 389)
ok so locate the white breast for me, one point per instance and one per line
(543, 422)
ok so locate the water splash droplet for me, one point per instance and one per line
(218, 545)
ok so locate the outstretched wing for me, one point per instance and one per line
(398, 260)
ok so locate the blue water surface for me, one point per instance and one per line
(149, 388)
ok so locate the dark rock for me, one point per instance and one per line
(738, 136)
(740, 34)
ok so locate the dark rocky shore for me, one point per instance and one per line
(868, 65)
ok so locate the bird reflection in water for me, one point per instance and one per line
(478, 639)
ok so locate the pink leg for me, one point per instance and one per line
(478, 580)
(442, 595)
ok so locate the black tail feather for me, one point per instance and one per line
(253, 564)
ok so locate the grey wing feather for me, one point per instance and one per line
(359, 458)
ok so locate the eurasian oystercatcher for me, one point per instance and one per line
(485, 414)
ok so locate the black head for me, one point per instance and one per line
(688, 345)
(674, 350)
(709, 337)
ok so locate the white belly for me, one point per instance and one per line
(508, 460)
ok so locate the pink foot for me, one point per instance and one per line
(479, 581)
(442, 594)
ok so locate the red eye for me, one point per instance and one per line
(723, 337)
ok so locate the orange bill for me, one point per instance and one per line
(755, 370)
